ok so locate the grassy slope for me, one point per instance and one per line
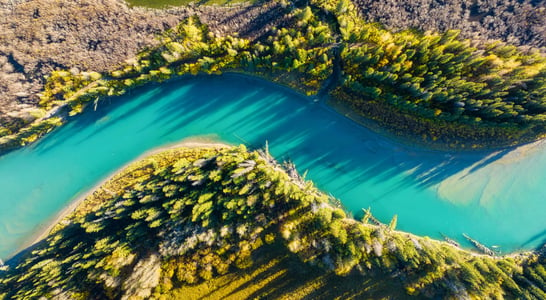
(232, 223)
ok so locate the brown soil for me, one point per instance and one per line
(39, 36)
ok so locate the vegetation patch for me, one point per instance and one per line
(186, 216)
(438, 87)
(431, 87)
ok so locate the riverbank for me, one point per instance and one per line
(72, 206)
(425, 141)
(58, 115)
(42, 36)
(189, 143)
(174, 242)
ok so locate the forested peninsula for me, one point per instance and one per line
(431, 88)
(245, 226)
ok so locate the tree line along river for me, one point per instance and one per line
(496, 197)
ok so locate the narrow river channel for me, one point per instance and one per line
(496, 197)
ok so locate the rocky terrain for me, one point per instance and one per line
(39, 36)
(520, 22)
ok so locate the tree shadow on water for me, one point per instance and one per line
(541, 236)
(102, 115)
(251, 111)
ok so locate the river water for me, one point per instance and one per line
(496, 197)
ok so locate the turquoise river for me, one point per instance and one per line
(496, 197)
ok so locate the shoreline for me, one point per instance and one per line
(413, 141)
(333, 105)
(349, 116)
(191, 142)
(405, 139)
(45, 228)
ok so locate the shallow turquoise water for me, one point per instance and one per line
(495, 197)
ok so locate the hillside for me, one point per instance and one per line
(433, 88)
(228, 222)
(41, 36)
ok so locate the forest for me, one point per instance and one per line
(438, 86)
(189, 215)
(433, 87)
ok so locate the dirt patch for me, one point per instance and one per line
(39, 36)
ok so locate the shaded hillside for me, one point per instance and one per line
(225, 215)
